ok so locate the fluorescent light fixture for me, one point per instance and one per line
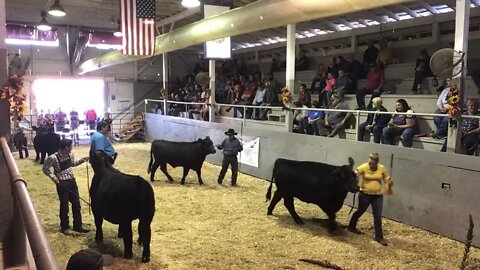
(15, 41)
(105, 46)
(57, 9)
(43, 25)
(190, 3)
(117, 33)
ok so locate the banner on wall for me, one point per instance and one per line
(249, 155)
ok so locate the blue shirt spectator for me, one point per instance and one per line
(100, 142)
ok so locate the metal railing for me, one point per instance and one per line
(42, 253)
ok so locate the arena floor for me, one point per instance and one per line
(220, 227)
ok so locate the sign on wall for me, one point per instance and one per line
(251, 147)
(219, 48)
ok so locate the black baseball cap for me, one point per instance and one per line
(89, 259)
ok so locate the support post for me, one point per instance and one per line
(4, 104)
(165, 77)
(462, 24)
(290, 71)
(211, 99)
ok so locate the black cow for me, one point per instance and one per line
(322, 184)
(46, 142)
(120, 198)
(189, 155)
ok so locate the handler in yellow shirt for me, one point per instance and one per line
(373, 175)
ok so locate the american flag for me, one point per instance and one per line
(138, 26)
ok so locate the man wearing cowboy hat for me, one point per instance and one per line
(230, 146)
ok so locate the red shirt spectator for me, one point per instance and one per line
(91, 115)
(375, 78)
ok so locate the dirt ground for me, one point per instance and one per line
(220, 227)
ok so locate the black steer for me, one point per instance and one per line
(189, 155)
(45, 143)
(120, 198)
(322, 184)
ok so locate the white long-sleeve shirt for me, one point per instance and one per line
(442, 99)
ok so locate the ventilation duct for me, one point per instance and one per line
(80, 46)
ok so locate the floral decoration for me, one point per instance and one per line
(453, 99)
(286, 97)
(13, 92)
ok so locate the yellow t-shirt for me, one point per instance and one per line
(371, 182)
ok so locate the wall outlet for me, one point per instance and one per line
(446, 186)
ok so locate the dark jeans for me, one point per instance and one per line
(91, 124)
(360, 95)
(441, 123)
(233, 162)
(365, 200)
(469, 142)
(68, 192)
(417, 83)
(406, 135)
(376, 131)
(247, 111)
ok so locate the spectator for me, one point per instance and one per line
(67, 189)
(231, 146)
(422, 70)
(375, 81)
(372, 174)
(335, 121)
(60, 120)
(100, 142)
(246, 98)
(235, 97)
(333, 66)
(318, 80)
(91, 117)
(302, 62)
(441, 123)
(326, 94)
(470, 128)
(316, 121)
(304, 96)
(385, 54)
(369, 56)
(270, 99)
(375, 122)
(40, 119)
(342, 83)
(258, 100)
(195, 108)
(274, 67)
(404, 125)
(89, 259)
(300, 118)
(354, 70)
(21, 143)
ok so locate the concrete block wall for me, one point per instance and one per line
(419, 199)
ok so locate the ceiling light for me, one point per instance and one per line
(57, 9)
(190, 3)
(43, 25)
(118, 32)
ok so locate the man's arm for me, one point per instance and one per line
(46, 169)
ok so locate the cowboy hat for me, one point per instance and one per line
(230, 131)
(89, 259)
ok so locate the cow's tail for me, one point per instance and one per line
(353, 203)
(269, 191)
(149, 169)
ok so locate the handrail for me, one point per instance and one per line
(42, 253)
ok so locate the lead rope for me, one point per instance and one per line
(88, 190)
(353, 203)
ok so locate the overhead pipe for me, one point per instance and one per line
(260, 15)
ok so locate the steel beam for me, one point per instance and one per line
(260, 15)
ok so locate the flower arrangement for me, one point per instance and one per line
(453, 99)
(286, 97)
(13, 92)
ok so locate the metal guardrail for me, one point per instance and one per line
(42, 253)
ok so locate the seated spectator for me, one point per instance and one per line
(270, 99)
(375, 81)
(354, 71)
(422, 70)
(369, 56)
(274, 66)
(385, 54)
(326, 95)
(316, 121)
(300, 118)
(404, 125)
(246, 98)
(195, 108)
(441, 123)
(318, 80)
(302, 62)
(335, 122)
(175, 108)
(235, 96)
(342, 83)
(304, 96)
(258, 100)
(333, 66)
(375, 122)
(470, 128)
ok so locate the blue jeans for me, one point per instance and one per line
(406, 134)
(376, 131)
(469, 142)
(441, 123)
(365, 200)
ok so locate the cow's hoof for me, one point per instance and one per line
(269, 213)
(299, 221)
(128, 256)
(201, 183)
(182, 183)
(146, 259)
(152, 180)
